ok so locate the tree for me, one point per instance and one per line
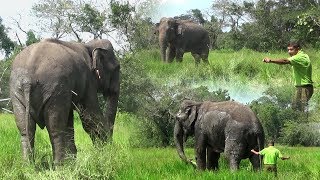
(267, 24)
(63, 18)
(307, 26)
(133, 23)
(194, 14)
(90, 20)
(214, 30)
(31, 38)
(55, 16)
(5, 42)
(231, 14)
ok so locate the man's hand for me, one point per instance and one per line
(255, 152)
(266, 60)
(285, 158)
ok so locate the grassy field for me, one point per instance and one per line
(238, 72)
(242, 73)
(120, 161)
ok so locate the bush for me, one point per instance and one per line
(297, 133)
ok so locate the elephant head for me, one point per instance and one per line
(184, 126)
(106, 68)
(168, 32)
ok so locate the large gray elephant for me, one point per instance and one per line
(228, 127)
(179, 36)
(50, 79)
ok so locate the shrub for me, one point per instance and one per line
(297, 133)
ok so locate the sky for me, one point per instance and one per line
(170, 8)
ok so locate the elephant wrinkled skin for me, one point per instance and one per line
(51, 78)
(228, 127)
(179, 36)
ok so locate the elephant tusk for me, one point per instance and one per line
(74, 93)
(193, 163)
(7, 110)
(98, 74)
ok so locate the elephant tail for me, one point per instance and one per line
(259, 148)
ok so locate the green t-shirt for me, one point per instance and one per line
(270, 155)
(302, 69)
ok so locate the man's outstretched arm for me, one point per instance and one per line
(276, 61)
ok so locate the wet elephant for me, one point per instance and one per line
(219, 127)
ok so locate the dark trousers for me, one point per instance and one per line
(301, 97)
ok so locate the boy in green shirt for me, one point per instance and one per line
(270, 157)
(302, 74)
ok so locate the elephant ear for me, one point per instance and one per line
(103, 58)
(106, 67)
(192, 116)
(180, 27)
(180, 30)
(96, 59)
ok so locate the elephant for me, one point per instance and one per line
(227, 127)
(50, 79)
(179, 36)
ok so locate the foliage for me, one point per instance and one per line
(283, 123)
(266, 25)
(5, 71)
(307, 26)
(132, 23)
(31, 38)
(6, 44)
(297, 133)
(91, 20)
(54, 16)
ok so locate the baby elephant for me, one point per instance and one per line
(228, 127)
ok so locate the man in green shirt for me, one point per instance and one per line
(302, 74)
(270, 157)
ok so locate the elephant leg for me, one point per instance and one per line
(234, 150)
(234, 162)
(56, 118)
(27, 134)
(71, 147)
(212, 159)
(179, 55)
(170, 53)
(256, 162)
(204, 58)
(200, 151)
(204, 55)
(196, 58)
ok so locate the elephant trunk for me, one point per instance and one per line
(110, 112)
(163, 47)
(179, 140)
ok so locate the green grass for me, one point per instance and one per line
(120, 161)
(242, 72)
